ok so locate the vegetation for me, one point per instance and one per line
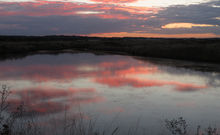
(179, 127)
(16, 123)
(207, 50)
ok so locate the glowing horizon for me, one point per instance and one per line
(153, 35)
(144, 18)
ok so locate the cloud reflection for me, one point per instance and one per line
(137, 83)
(116, 73)
(52, 87)
(44, 101)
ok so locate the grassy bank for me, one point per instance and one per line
(207, 50)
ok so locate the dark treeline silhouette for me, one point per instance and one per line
(207, 50)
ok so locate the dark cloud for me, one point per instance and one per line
(59, 25)
(52, 17)
(197, 14)
(43, 18)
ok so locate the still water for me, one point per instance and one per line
(115, 91)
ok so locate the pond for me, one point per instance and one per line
(129, 94)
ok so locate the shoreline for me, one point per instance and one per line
(198, 50)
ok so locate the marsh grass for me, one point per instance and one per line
(179, 126)
(13, 123)
(21, 122)
(18, 123)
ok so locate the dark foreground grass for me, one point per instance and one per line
(207, 50)
(17, 123)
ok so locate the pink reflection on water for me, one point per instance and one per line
(138, 83)
(114, 74)
(52, 100)
(43, 98)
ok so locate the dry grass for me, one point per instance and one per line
(17, 123)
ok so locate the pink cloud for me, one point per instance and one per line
(48, 8)
(114, 74)
(115, 1)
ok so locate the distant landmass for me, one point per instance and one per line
(203, 50)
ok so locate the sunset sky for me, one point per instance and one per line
(111, 18)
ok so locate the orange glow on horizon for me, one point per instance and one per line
(155, 35)
(185, 25)
(131, 18)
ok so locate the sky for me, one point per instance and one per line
(111, 18)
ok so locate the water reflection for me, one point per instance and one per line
(111, 84)
(51, 100)
(115, 73)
